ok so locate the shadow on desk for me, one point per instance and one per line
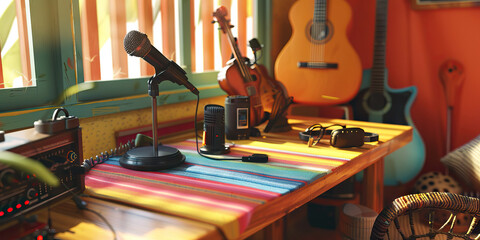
(129, 223)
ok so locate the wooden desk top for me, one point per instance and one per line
(327, 166)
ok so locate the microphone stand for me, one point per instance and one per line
(154, 92)
(162, 157)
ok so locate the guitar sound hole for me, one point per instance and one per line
(319, 32)
(376, 101)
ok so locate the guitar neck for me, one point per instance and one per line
(378, 68)
(320, 11)
(238, 56)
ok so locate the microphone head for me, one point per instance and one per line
(137, 44)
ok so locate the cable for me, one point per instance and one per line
(50, 231)
(82, 205)
(105, 220)
(92, 162)
(259, 158)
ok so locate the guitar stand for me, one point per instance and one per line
(254, 132)
(157, 157)
(278, 121)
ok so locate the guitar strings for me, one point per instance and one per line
(318, 32)
(323, 33)
(313, 33)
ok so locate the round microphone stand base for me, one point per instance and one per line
(143, 159)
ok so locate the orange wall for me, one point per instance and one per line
(418, 42)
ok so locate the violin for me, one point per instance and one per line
(237, 78)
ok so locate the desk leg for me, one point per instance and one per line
(372, 195)
(275, 230)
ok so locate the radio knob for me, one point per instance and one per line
(9, 177)
(72, 156)
(32, 193)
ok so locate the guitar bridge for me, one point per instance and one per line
(322, 65)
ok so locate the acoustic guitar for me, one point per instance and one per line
(377, 102)
(318, 65)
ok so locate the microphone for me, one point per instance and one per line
(214, 130)
(137, 44)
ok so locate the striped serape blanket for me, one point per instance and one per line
(222, 193)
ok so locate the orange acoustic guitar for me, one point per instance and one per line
(318, 65)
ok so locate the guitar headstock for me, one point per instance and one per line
(221, 15)
(452, 75)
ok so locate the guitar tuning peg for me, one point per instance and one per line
(213, 21)
(231, 26)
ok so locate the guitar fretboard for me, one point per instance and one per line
(379, 48)
(320, 11)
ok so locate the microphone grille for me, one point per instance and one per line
(137, 44)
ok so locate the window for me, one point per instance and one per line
(104, 23)
(14, 60)
(211, 49)
(80, 41)
(28, 51)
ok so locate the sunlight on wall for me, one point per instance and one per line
(98, 133)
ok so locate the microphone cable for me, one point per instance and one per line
(82, 205)
(259, 158)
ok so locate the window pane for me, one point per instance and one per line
(211, 48)
(14, 59)
(105, 23)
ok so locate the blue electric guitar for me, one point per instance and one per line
(377, 102)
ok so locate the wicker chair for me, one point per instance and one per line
(426, 205)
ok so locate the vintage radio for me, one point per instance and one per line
(60, 152)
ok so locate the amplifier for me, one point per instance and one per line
(61, 153)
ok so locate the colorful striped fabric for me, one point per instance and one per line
(223, 193)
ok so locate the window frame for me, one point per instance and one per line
(43, 41)
(55, 44)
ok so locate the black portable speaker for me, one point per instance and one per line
(214, 130)
(237, 118)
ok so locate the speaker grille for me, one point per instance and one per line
(214, 113)
(214, 127)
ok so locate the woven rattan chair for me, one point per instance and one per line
(426, 205)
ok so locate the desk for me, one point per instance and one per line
(235, 199)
